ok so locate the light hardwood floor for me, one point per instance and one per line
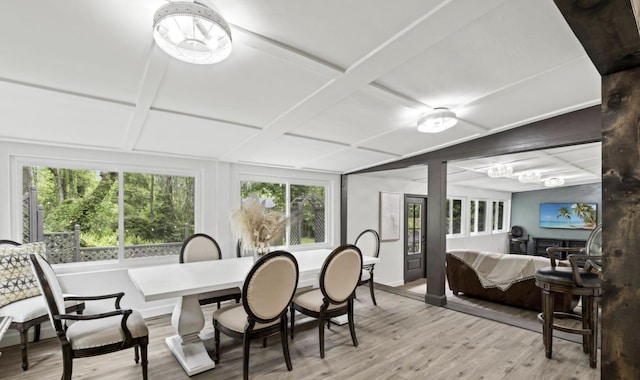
(401, 338)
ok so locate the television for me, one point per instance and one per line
(573, 216)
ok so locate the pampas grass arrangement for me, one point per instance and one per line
(257, 226)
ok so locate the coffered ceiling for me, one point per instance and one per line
(332, 86)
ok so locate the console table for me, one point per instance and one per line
(541, 244)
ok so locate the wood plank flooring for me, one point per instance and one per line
(401, 338)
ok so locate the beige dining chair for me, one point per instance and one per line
(369, 243)
(339, 277)
(90, 334)
(20, 296)
(266, 294)
(202, 247)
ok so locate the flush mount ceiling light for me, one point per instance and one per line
(192, 33)
(499, 170)
(529, 177)
(553, 182)
(438, 120)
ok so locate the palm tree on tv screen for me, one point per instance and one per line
(585, 211)
(563, 212)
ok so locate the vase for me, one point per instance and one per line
(256, 252)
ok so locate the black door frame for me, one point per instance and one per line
(423, 245)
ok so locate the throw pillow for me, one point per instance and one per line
(17, 280)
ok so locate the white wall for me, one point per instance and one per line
(363, 210)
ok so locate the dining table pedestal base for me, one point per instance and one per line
(192, 356)
(187, 346)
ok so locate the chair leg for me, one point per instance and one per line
(547, 326)
(373, 297)
(36, 333)
(67, 364)
(352, 327)
(136, 355)
(321, 334)
(285, 342)
(245, 356)
(24, 346)
(144, 364)
(593, 321)
(586, 318)
(293, 319)
(216, 334)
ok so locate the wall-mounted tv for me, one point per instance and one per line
(573, 216)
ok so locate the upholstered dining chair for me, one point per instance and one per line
(202, 247)
(339, 277)
(20, 297)
(94, 334)
(266, 295)
(369, 243)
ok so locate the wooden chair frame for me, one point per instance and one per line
(584, 282)
(250, 334)
(370, 267)
(325, 314)
(68, 353)
(24, 326)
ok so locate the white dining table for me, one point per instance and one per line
(185, 281)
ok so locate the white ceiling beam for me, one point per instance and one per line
(157, 62)
(285, 52)
(426, 31)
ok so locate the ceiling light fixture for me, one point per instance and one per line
(554, 181)
(529, 177)
(499, 170)
(192, 32)
(437, 121)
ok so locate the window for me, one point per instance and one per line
(305, 204)
(158, 214)
(477, 216)
(454, 216)
(498, 216)
(76, 213)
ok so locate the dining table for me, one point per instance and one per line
(184, 281)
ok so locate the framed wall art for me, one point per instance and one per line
(389, 216)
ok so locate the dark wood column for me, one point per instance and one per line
(436, 232)
(344, 187)
(609, 33)
(621, 225)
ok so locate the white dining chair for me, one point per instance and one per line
(369, 243)
(202, 247)
(339, 277)
(266, 295)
